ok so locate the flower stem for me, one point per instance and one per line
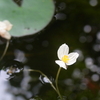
(56, 81)
(46, 77)
(7, 45)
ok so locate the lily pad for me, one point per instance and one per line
(30, 18)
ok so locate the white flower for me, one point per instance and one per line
(65, 58)
(5, 26)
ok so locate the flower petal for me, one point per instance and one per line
(63, 50)
(61, 64)
(73, 57)
(2, 26)
(5, 35)
(8, 25)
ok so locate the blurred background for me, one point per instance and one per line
(76, 23)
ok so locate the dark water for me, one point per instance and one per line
(76, 23)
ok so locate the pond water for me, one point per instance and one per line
(76, 23)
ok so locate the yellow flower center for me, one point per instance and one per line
(65, 58)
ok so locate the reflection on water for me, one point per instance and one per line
(45, 80)
(62, 6)
(93, 2)
(69, 82)
(11, 69)
(6, 75)
(75, 23)
(95, 77)
(5, 93)
(60, 16)
(8, 92)
(20, 56)
(98, 35)
(87, 28)
(77, 73)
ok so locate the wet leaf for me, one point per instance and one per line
(31, 17)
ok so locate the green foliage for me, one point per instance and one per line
(30, 18)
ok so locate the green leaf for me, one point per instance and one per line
(31, 17)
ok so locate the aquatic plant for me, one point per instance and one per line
(5, 26)
(65, 59)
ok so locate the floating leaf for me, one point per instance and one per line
(30, 18)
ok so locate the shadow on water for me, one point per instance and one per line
(75, 23)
